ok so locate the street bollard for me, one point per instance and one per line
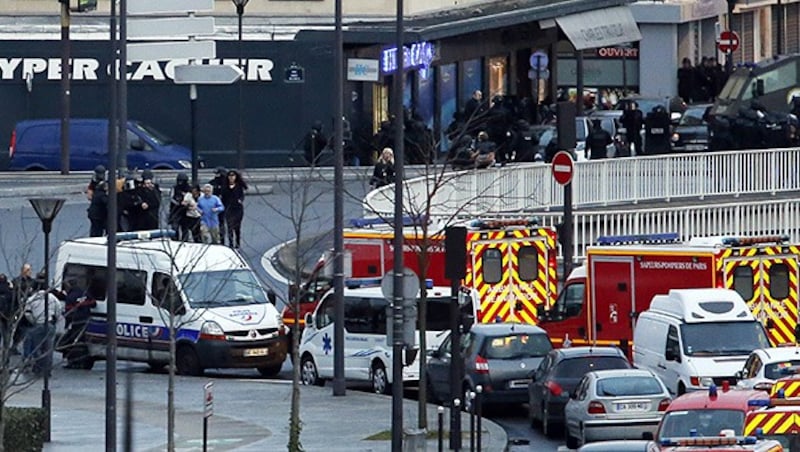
(456, 444)
(440, 412)
(479, 406)
(471, 397)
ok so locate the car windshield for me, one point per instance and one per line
(628, 386)
(577, 367)
(705, 422)
(515, 346)
(222, 288)
(773, 371)
(692, 117)
(723, 338)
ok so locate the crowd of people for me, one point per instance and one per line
(702, 82)
(211, 213)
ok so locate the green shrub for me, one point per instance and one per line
(24, 429)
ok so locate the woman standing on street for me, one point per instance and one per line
(233, 200)
(383, 174)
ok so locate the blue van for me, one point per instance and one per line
(36, 146)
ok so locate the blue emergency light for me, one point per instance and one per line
(145, 235)
(758, 402)
(669, 237)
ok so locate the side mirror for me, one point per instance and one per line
(272, 297)
(309, 319)
(739, 374)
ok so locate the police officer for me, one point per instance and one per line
(657, 131)
(523, 142)
(598, 140)
(150, 195)
(632, 119)
(98, 210)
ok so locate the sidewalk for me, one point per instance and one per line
(250, 414)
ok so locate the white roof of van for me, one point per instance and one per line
(703, 305)
(186, 256)
(375, 291)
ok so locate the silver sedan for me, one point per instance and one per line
(615, 404)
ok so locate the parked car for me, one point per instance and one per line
(691, 133)
(765, 365)
(615, 404)
(558, 375)
(498, 356)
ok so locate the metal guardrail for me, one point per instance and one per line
(773, 217)
(531, 188)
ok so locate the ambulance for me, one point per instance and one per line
(602, 299)
(779, 419)
(510, 265)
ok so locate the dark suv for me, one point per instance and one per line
(498, 356)
(559, 374)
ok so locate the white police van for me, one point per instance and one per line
(222, 316)
(367, 356)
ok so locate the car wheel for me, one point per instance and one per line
(380, 381)
(583, 436)
(270, 371)
(681, 389)
(572, 442)
(308, 372)
(187, 362)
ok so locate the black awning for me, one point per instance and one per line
(445, 24)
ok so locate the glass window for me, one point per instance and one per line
(707, 422)
(672, 341)
(438, 314)
(448, 102)
(780, 78)
(751, 366)
(471, 79)
(89, 278)
(325, 313)
(498, 75)
(743, 281)
(779, 281)
(528, 257)
(628, 386)
(365, 315)
(576, 367)
(165, 293)
(722, 338)
(131, 286)
(492, 266)
(516, 346)
(209, 289)
(773, 371)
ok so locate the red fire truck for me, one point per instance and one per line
(511, 265)
(601, 300)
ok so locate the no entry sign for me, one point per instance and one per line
(728, 41)
(563, 167)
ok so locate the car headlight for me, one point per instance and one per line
(212, 330)
(706, 381)
(675, 137)
(185, 163)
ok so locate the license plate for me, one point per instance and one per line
(516, 384)
(633, 406)
(256, 352)
(695, 147)
(656, 130)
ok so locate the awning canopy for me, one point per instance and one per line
(600, 28)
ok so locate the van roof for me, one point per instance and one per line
(702, 305)
(187, 256)
(375, 291)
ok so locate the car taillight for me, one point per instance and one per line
(13, 144)
(481, 365)
(663, 404)
(555, 388)
(695, 381)
(596, 407)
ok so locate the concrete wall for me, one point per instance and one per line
(659, 57)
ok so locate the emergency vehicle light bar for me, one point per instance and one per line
(145, 235)
(669, 237)
(709, 441)
(741, 241)
(408, 220)
(498, 224)
(355, 283)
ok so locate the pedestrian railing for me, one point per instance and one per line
(611, 182)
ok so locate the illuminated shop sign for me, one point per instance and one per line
(418, 54)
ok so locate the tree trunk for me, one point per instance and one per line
(171, 387)
(295, 425)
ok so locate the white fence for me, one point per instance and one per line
(774, 217)
(531, 188)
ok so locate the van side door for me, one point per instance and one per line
(166, 299)
(320, 341)
(669, 369)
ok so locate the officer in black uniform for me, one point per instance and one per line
(598, 140)
(657, 131)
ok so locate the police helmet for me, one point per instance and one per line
(147, 173)
(182, 178)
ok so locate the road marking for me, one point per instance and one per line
(266, 263)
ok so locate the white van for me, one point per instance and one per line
(692, 338)
(367, 355)
(222, 315)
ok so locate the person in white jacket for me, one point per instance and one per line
(39, 337)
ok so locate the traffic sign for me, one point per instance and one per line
(563, 167)
(171, 27)
(539, 60)
(207, 74)
(168, 6)
(172, 50)
(208, 399)
(410, 285)
(728, 41)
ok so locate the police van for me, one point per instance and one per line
(367, 355)
(208, 294)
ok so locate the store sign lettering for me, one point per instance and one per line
(418, 54)
(256, 70)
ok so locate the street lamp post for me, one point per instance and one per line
(240, 4)
(47, 209)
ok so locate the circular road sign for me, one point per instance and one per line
(410, 285)
(563, 167)
(728, 41)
